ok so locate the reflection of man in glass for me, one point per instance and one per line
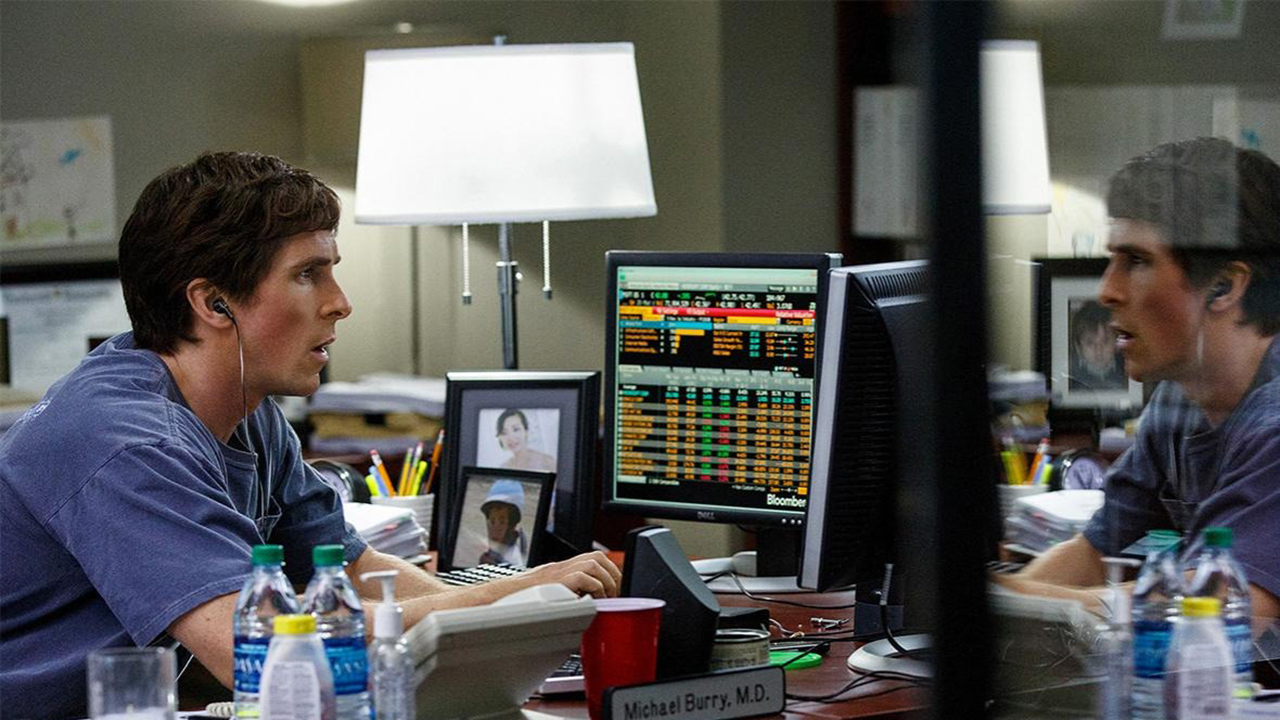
(1094, 363)
(1193, 285)
(507, 541)
(513, 436)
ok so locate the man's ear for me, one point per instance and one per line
(202, 296)
(1228, 289)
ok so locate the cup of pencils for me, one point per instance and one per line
(412, 485)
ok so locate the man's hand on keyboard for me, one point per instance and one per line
(586, 574)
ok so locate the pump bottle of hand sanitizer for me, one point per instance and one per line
(391, 685)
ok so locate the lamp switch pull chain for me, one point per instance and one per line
(466, 264)
(546, 259)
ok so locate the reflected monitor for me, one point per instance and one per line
(709, 386)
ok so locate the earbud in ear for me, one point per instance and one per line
(220, 307)
(1219, 289)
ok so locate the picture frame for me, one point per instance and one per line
(560, 415)
(1073, 346)
(513, 503)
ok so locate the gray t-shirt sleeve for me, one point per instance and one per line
(1132, 492)
(310, 512)
(153, 532)
(1247, 500)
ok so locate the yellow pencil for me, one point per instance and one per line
(373, 485)
(416, 484)
(405, 467)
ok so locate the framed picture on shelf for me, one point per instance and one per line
(1075, 348)
(528, 421)
(499, 517)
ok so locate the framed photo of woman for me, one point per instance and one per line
(529, 421)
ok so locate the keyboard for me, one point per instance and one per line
(478, 574)
(566, 679)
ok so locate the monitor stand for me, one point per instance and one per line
(770, 570)
(881, 656)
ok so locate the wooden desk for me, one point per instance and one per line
(906, 701)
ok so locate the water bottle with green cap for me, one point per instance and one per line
(265, 595)
(1157, 598)
(332, 600)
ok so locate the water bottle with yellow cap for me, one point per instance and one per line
(296, 680)
(1200, 666)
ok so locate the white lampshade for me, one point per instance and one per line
(1015, 155)
(502, 133)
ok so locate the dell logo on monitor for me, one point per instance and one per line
(706, 515)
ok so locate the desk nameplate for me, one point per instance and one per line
(741, 693)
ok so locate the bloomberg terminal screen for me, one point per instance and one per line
(714, 387)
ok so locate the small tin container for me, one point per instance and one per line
(739, 648)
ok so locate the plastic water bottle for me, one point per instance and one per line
(296, 681)
(1201, 669)
(265, 595)
(340, 624)
(1157, 598)
(1218, 575)
(391, 670)
(1115, 651)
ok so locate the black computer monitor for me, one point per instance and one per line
(869, 378)
(709, 385)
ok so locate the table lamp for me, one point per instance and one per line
(1015, 152)
(502, 134)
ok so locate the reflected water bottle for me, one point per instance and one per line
(1199, 683)
(1218, 575)
(1157, 598)
(265, 595)
(1115, 651)
(340, 624)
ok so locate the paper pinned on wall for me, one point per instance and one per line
(57, 182)
(1249, 122)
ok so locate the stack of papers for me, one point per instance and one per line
(392, 530)
(1039, 522)
(382, 411)
(382, 393)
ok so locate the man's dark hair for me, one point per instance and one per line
(512, 412)
(222, 217)
(1215, 204)
(1088, 318)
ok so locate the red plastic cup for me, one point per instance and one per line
(620, 647)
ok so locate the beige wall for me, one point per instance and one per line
(738, 110)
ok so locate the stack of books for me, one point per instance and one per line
(1038, 522)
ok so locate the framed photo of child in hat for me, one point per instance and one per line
(499, 518)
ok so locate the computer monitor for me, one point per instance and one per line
(51, 316)
(709, 385)
(869, 376)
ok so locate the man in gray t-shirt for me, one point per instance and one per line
(132, 493)
(1193, 286)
